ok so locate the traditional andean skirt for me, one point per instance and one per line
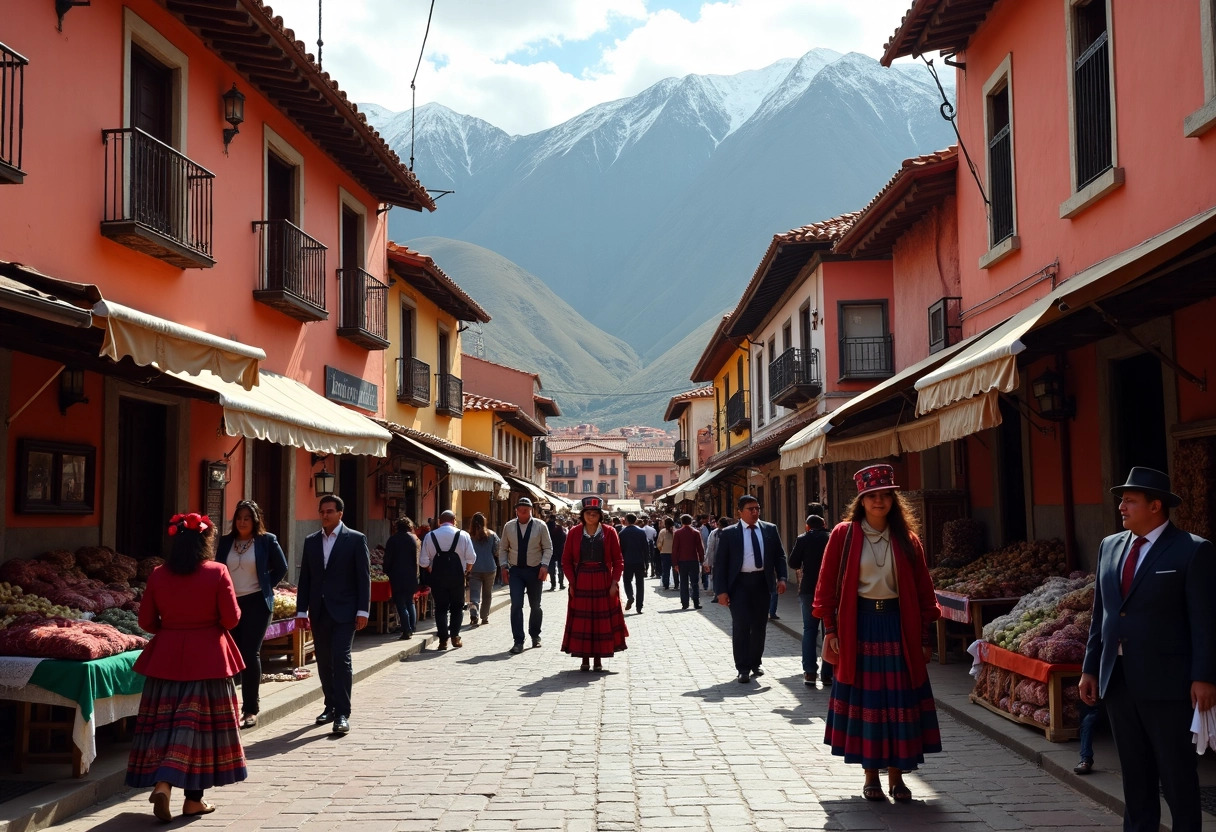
(881, 720)
(187, 735)
(595, 623)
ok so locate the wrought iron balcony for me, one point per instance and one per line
(680, 457)
(12, 115)
(1091, 102)
(363, 312)
(291, 271)
(738, 416)
(413, 382)
(794, 378)
(945, 324)
(862, 358)
(544, 456)
(157, 201)
(449, 399)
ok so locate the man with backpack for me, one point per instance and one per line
(448, 556)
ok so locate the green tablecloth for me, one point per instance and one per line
(85, 682)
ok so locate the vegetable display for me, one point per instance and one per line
(1006, 573)
(962, 542)
(64, 638)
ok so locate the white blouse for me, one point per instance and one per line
(877, 577)
(243, 569)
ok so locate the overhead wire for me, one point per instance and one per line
(413, 88)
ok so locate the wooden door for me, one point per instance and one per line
(144, 505)
(350, 488)
(153, 180)
(266, 489)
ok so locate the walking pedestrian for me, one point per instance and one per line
(595, 623)
(706, 529)
(525, 551)
(877, 604)
(448, 556)
(688, 559)
(333, 598)
(635, 553)
(485, 569)
(664, 543)
(807, 557)
(186, 732)
(401, 567)
(254, 575)
(651, 536)
(711, 548)
(748, 564)
(1151, 655)
(557, 533)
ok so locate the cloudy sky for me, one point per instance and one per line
(525, 65)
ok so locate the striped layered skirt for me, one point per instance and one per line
(187, 735)
(595, 623)
(882, 721)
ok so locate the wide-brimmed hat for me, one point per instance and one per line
(594, 503)
(875, 478)
(523, 501)
(1152, 482)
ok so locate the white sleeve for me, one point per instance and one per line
(425, 552)
(467, 553)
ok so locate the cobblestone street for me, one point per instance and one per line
(478, 739)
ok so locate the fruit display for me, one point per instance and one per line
(284, 605)
(1024, 698)
(1006, 573)
(125, 621)
(14, 603)
(962, 542)
(63, 638)
(378, 565)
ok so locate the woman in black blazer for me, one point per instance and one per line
(256, 563)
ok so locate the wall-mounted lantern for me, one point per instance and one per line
(71, 389)
(234, 114)
(1048, 391)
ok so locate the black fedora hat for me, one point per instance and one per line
(1151, 482)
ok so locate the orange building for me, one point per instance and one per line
(193, 288)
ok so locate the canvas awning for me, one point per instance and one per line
(690, 488)
(173, 347)
(463, 476)
(990, 363)
(286, 412)
(535, 492)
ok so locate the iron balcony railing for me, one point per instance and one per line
(413, 382)
(867, 357)
(449, 398)
(794, 377)
(945, 324)
(544, 456)
(12, 114)
(157, 200)
(363, 312)
(291, 270)
(680, 456)
(603, 469)
(1000, 185)
(738, 417)
(1091, 114)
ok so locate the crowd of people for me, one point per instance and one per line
(863, 586)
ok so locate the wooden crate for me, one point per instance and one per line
(1054, 676)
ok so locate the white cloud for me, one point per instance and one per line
(478, 60)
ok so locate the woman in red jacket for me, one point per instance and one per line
(592, 563)
(877, 604)
(186, 733)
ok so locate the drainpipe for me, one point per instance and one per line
(1070, 539)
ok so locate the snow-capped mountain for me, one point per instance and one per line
(649, 214)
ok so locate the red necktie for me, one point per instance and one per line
(1129, 567)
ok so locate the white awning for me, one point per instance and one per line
(689, 490)
(174, 348)
(286, 412)
(535, 491)
(464, 476)
(990, 363)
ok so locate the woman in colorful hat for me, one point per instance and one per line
(877, 604)
(592, 563)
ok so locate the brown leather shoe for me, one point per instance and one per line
(456, 642)
(1083, 767)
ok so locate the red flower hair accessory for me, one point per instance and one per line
(194, 522)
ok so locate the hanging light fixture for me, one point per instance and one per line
(1048, 391)
(323, 480)
(71, 389)
(234, 114)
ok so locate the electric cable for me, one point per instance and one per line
(413, 90)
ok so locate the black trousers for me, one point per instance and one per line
(749, 619)
(332, 641)
(1153, 738)
(449, 607)
(635, 574)
(690, 579)
(249, 633)
(555, 570)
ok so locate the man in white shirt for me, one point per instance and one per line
(447, 555)
(651, 537)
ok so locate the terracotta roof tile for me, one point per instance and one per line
(441, 444)
(455, 301)
(504, 366)
(644, 453)
(677, 403)
(513, 413)
(945, 25)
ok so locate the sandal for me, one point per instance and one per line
(249, 721)
(873, 791)
(901, 793)
(585, 667)
(599, 668)
(160, 806)
(207, 809)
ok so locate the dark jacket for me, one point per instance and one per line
(401, 563)
(558, 533)
(728, 558)
(808, 556)
(344, 587)
(268, 554)
(1167, 623)
(635, 546)
(687, 546)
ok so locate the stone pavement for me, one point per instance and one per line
(478, 739)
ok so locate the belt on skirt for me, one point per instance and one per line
(878, 606)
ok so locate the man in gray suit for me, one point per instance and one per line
(333, 598)
(1152, 651)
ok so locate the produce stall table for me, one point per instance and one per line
(965, 610)
(288, 638)
(1024, 667)
(100, 692)
(383, 611)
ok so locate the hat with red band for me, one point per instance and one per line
(875, 478)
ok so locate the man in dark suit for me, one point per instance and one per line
(1152, 651)
(749, 565)
(635, 552)
(333, 598)
(808, 557)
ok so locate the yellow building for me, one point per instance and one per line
(429, 468)
(727, 365)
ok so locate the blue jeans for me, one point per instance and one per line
(772, 603)
(665, 570)
(525, 580)
(810, 638)
(1089, 720)
(406, 612)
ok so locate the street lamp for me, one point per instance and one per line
(234, 114)
(323, 480)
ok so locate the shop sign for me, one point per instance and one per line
(352, 390)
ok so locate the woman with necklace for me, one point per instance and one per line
(255, 563)
(877, 603)
(592, 563)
